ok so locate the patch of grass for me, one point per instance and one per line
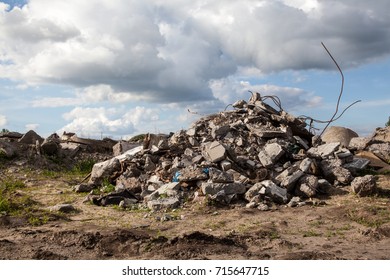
(107, 186)
(370, 216)
(83, 167)
(38, 221)
(311, 233)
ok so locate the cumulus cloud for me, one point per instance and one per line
(94, 122)
(171, 51)
(31, 126)
(3, 120)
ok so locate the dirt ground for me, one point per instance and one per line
(340, 226)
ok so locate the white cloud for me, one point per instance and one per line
(229, 90)
(3, 120)
(114, 122)
(31, 126)
(170, 51)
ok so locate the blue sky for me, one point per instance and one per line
(119, 68)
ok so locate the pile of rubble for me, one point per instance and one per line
(253, 154)
(31, 146)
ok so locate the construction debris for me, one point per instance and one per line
(252, 153)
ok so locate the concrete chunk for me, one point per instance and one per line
(364, 186)
(324, 150)
(307, 186)
(333, 170)
(276, 193)
(214, 151)
(164, 204)
(270, 154)
(218, 176)
(228, 188)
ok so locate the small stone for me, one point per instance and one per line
(263, 207)
(65, 208)
(226, 165)
(218, 176)
(276, 193)
(164, 203)
(364, 186)
(307, 186)
(83, 188)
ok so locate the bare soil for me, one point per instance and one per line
(339, 226)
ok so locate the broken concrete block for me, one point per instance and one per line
(382, 134)
(239, 104)
(164, 204)
(339, 134)
(358, 143)
(50, 147)
(381, 150)
(364, 186)
(332, 170)
(228, 188)
(70, 149)
(218, 132)
(323, 186)
(357, 164)
(276, 193)
(289, 177)
(214, 151)
(253, 191)
(149, 164)
(222, 198)
(192, 173)
(30, 137)
(302, 142)
(102, 170)
(83, 188)
(307, 186)
(122, 146)
(226, 165)
(324, 151)
(218, 176)
(270, 154)
(7, 149)
(308, 166)
(127, 203)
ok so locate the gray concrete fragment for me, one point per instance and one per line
(307, 186)
(332, 170)
(253, 191)
(127, 203)
(289, 177)
(122, 146)
(164, 204)
(83, 188)
(214, 151)
(192, 173)
(381, 150)
(65, 208)
(324, 151)
(364, 186)
(218, 132)
(218, 176)
(302, 142)
(228, 188)
(103, 170)
(308, 165)
(270, 154)
(276, 193)
(357, 164)
(30, 137)
(239, 104)
(7, 149)
(358, 143)
(226, 165)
